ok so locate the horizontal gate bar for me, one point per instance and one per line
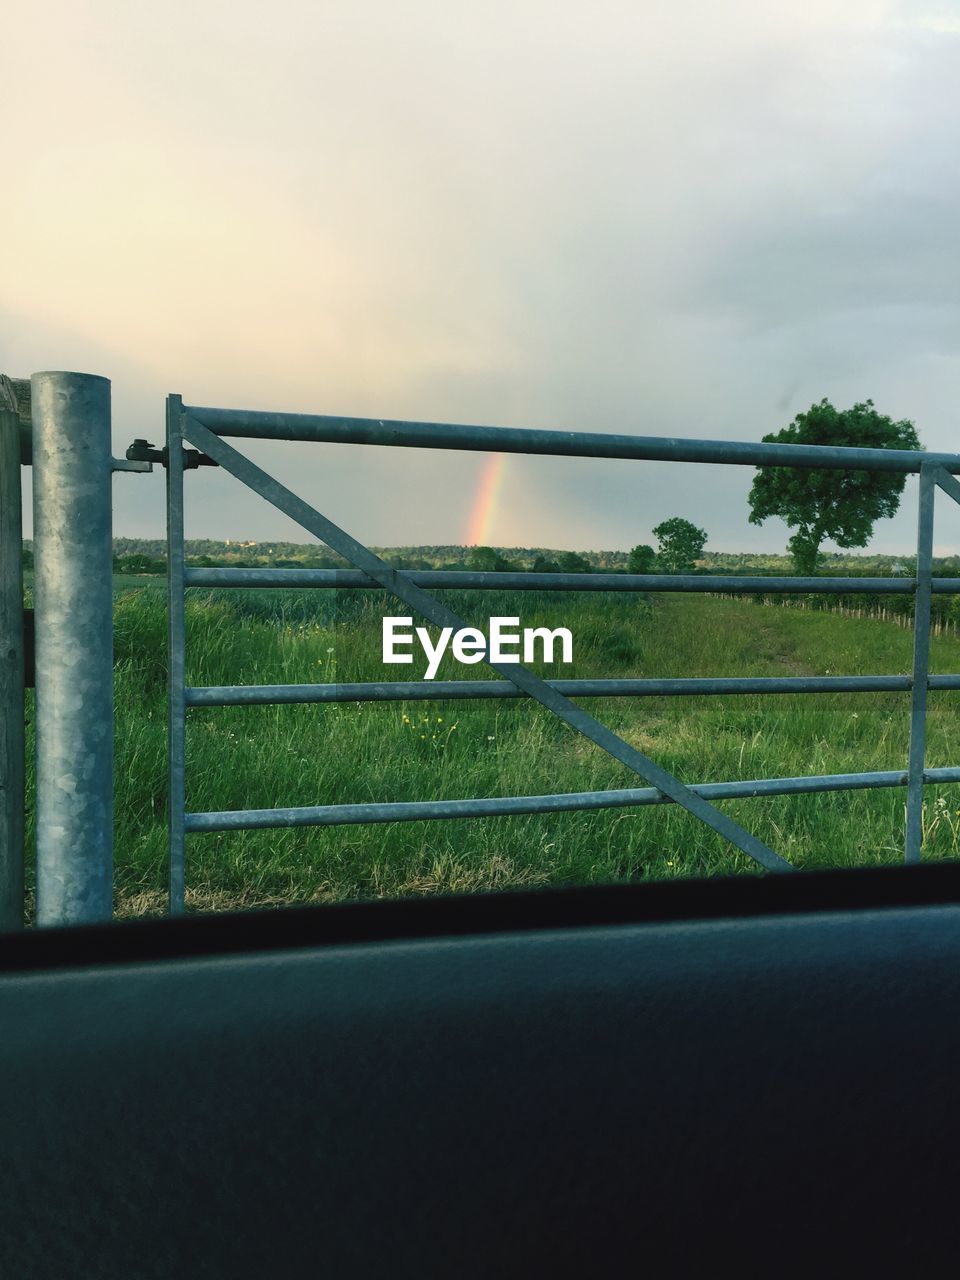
(332, 815)
(447, 579)
(240, 695)
(579, 444)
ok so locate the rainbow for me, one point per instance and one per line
(480, 521)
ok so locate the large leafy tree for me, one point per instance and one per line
(681, 543)
(840, 505)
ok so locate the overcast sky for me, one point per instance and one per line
(660, 218)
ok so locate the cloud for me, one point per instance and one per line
(672, 218)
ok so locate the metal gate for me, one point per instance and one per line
(205, 428)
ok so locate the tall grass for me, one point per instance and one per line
(261, 757)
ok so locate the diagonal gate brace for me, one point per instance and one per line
(363, 558)
(948, 483)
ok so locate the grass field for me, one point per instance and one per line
(277, 756)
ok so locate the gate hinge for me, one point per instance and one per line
(142, 451)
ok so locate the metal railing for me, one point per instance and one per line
(205, 428)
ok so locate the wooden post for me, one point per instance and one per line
(12, 751)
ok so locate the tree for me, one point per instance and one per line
(571, 562)
(483, 559)
(487, 560)
(641, 559)
(681, 543)
(840, 505)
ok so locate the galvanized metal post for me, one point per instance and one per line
(72, 472)
(12, 748)
(176, 655)
(921, 665)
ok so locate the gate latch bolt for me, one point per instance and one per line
(143, 451)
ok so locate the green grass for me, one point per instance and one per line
(277, 756)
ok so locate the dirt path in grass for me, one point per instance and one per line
(739, 633)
